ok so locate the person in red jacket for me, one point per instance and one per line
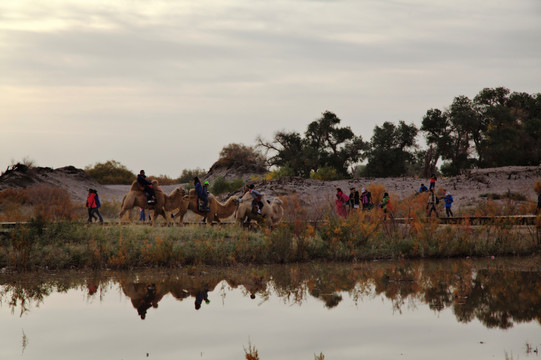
(93, 204)
(341, 201)
(433, 179)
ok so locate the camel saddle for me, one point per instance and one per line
(200, 206)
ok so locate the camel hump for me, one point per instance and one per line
(135, 186)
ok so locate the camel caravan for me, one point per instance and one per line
(248, 210)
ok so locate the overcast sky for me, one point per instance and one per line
(165, 85)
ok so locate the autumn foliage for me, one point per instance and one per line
(47, 202)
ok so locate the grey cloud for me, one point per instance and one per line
(270, 65)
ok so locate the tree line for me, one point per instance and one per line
(495, 128)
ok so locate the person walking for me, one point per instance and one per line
(354, 199)
(341, 201)
(448, 199)
(141, 214)
(431, 204)
(432, 185)
(366, 199)
(93, 204)
(386, 206)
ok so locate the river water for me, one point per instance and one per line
(445, 309)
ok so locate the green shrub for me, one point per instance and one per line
(325, 173)
(187, 175)
(280, 242)
(110, 172)
(237, 155)
(281, 172)
(221, 185)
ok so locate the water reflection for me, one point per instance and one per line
(499, 293)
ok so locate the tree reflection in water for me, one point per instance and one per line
(498, 293)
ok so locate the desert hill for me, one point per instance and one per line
(229, 173)
(75, 181)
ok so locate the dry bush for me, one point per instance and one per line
(234, 155)
(15, 205)
(296, 215)
(377, 191)
(413, 206)
(110, 209)
(251, 352)
(157, 252)
(299, 226)
(47, 202)
(163, 180)
(19, 196)
(293, 210)
(11, 211)
(490, 207)
(396, 208)
(51, 203)
(364, 225)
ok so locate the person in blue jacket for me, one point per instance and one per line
(202, 194)
(448, 199)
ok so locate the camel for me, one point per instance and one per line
(271, 213)
(217, 211)
(137, 198)
(177, 199)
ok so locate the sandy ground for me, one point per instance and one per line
(465, 188)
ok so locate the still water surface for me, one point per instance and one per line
(459, 309)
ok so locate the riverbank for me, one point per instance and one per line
(68, 245)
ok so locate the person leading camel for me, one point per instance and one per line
(146, 186)
(431, 204)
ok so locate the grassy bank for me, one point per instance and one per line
(64, 245)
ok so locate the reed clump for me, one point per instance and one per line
(66, 245)
(40, 201)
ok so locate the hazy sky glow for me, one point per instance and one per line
(165, 85)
